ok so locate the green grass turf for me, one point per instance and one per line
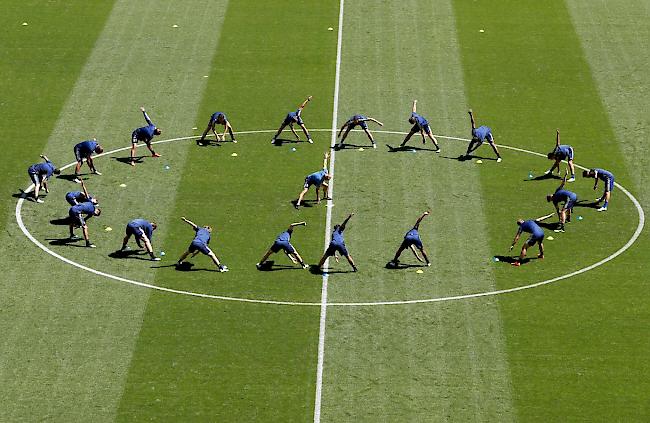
(78, 346)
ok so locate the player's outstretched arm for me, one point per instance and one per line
(595, 180)
(326, 156)
(346, 221)
(44, 157)
(417, 223)
(375, 120)
(414, 107)
(146, 116)
(516, 239)
(189, 222)
(303, 223)
(471, 118)
(557, 139)
(304, 103)
(345, 125)
(83, 187)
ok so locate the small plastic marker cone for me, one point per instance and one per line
(550, 238)
(530, 175)
(360, 148)
(579, 218)
(330, 29)
(162, 253)
(25, 24)
(495, 259)
(234, 154)
(293, 148)
(108, 229)
(195, 128)
(479, 161)
(413, 151)
(166, 167)
(481, 30)
(123, 185)
(419, 271)
(205, 76)
(174, 26)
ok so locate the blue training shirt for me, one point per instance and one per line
(202, 235)
(413, 233)
(563, 151)
(143, 224)
(283, 237)
(146, 133)
(83, 208)
(481, 132)
(604, 175)
(419, 120)
(564, 195)
(217, 116)
(358, 118)
(42, 169)
(337, 236)
(86, 148)
(316, 178)
(533, 228)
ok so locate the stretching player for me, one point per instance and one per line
(567, 197)
(421, 125)
(290, 119)
(412, 240)
(559, 153)
(84, 151)
(142, 230)
(536, 237)
(39, 173)
(337, 245)
(479, 136)
(217, 118)
(317, 179)
(200, 245)
(78, 215)
(608, 181)
(357, 120)
(77, 197)
(146, 134)
(283, 242)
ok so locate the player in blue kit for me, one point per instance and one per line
(142, 230)
(217, 118)
(567, 197)
(77, 197)
(283, 242)
(559, 153)
(412, 240)
(146, 134)
(317, 179)
(357, 120)
(479, 136)
(536, 237)
(290, 119)
(200, 245)
(78, 215)
(421, 125)
(337, 245)
(608, 180)
(39, 174)
(84, 151)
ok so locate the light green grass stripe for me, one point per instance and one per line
(67, 343)
(431, 363)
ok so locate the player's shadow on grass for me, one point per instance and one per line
(315, 270)
(127, 160)
(186, 266)
(280, 141)
(67, 242)
(464, 158)
(270, 266)
(209, 143)
(512, 259)
(351, 147)
(543, 177)
(130, 254)
(549, 225)
(305, 203)
(69, 178)
(62, 221)
(588, 204)
(26, 195)
(402, 266)
(407, 149)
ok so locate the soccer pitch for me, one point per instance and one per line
(91, 337)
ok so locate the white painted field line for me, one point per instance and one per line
(328, 223)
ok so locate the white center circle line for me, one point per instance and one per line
(618, 252)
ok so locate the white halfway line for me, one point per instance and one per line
(612, 256)
(328, 225)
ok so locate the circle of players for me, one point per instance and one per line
(83, 205)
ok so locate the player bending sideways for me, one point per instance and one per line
(79, 213)
(217, 118)
(142, 230)
(283, 242)
(77, 197)
(84, 151)
(559, 153)
(290, 119)
(337, 245)
(317, 179)
(200, 245)
(536, 237)
(357, 120)
(608, 181)
(146, 134)
(421, 125)
(568, 199)
(479, 136)
(412, 240)
(39, 174)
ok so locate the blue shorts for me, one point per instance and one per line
(77, 155)
(199, 246)
(412, 240)
(71, 199)
(289, 121)
(609, 184)
(570, 156)
(534, 239)
(283, 245)
(489, 138)
(426, 128)
(34, 177)
(570, 202)
(362, 124)
(309, 183)
(136, 231)
(77, 220)
(334, 247)
(135, 139)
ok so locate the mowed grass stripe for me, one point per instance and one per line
(614, 35)
(213, 360)
(565, 342)
(92, 325)
(429, 362)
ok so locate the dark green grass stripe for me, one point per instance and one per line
(525, 76)
(244, 362)
(39, 64)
